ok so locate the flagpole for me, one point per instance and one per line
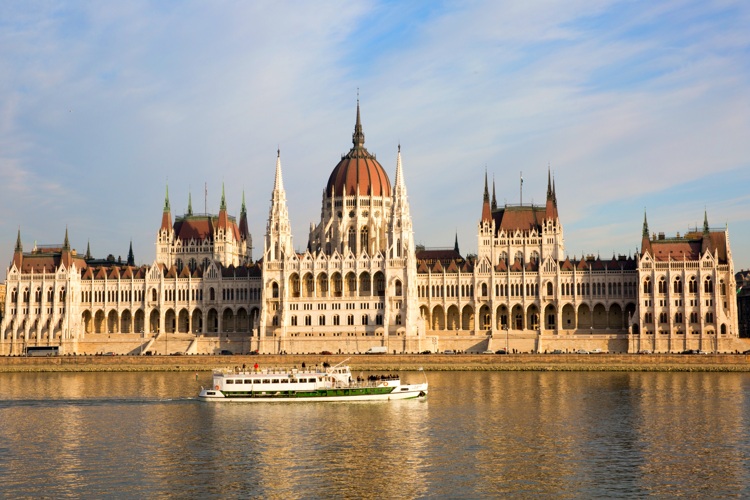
(522, 187)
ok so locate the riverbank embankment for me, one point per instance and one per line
(431, 362)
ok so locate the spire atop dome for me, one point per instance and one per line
(358, 138)
(223, 205)
(645, 232)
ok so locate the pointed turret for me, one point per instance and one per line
(244, 232)
(486, 211)
(494, 199)
(190, 204)
(166, 218)
(66, 256)
(706, 244)
(131, 256)
(645, 241)
(551, 206)
(88, 251)
(18, 253)
(455, 245)
(223, 222)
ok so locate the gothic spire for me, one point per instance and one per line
(549, 184)
(66, 243)
(494, 199)
(278, 183)
(486, 212)
(455, 245)
(243, 210)
(645, 233)
(399, 173)
(705, 222)
(190, 204)
(166, 201)
(223, 205)
(88, 250)
(131, 257)
(19, 246)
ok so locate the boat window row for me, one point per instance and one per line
(270, 381)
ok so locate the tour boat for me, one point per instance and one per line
(306, 384)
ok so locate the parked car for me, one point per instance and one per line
(449, 351)
(501, 351)
(557, 351)
(226, 352)
(644, 351)
(326, 353)
(582, 351)
(488, 352)
(595, 351)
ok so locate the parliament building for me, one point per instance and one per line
(362, 282)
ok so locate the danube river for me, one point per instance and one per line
(478, 435)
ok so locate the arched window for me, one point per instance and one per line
(709, 318)
(398, 288)
(364, 240)
(322, 320)
(662, 285)
(647, 285)
(275, 290)
(692, 285)
(353, 240)
(722, 287)
(708, 286)
(484, 289)
(398, 319)
(677, 285)
(549, 288)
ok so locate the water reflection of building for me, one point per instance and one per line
(360, 282)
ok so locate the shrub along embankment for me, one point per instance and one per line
(432, 362)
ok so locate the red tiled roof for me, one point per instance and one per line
(522, 218)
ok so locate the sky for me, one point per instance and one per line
(634, 106)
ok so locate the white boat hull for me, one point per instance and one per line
(411, 391)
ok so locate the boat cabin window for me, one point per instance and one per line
(293, 380)
(266, 381)
(229, 381)
(248, 381)
(284, 381)
(275, 381)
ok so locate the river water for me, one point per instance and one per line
(478, 435)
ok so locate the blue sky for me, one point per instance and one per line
(633, 105)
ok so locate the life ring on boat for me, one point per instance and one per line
(384, 384)
(216, 387)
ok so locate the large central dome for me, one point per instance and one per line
(358, 172)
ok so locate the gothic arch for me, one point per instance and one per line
(438, 318)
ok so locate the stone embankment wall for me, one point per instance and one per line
(432, 362)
